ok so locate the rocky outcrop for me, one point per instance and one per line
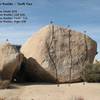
(61, 52)
(10, 61)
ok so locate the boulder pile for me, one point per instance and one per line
(54, 54)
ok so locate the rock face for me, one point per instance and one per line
(62, 52)
(31, 71)
(10, 61)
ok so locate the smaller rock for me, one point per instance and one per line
(10, 61)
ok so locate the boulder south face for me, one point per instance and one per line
(62, 52)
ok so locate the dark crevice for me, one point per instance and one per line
(48, 48)
(70, 56)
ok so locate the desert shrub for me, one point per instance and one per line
(13, 98)
(76, 98)
(4, 84)
(91, 73)
(2, 98)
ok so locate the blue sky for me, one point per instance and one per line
(81, 15)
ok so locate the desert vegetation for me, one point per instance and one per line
(4, 84)
(77, 98)
(17, 98)
(2, 98)
(13, 98)
(91, 73)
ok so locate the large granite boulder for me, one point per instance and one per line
(10, 61)
(62, 52)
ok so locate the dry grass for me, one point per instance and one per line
(77, 98)
(17, 98)
(14, 98)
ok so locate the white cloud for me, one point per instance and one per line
(0, 34)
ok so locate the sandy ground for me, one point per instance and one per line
(89, 91)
